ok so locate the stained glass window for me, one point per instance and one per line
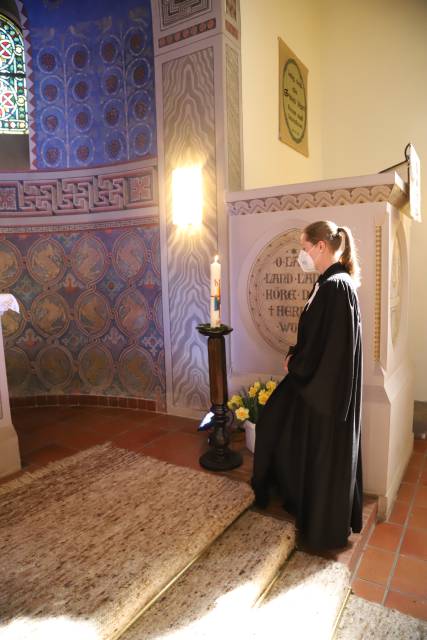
(13, 95)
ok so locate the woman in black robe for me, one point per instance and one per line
(308, 435)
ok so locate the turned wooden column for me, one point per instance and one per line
(219, 457)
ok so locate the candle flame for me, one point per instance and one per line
(216, 258)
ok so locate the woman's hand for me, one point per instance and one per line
(285, 365)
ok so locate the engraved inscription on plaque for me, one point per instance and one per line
(396, 290)
(278, 290)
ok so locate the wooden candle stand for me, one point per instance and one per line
(219, 457)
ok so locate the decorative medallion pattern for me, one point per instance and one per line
(90, 302)
(93, 313)
(50, 314)
(89, 259)
(96, 366)
(132, 313)
(94, 84)
(55, 367)
(10, 264)
(130, 256)
(46, 261)
(136, 369)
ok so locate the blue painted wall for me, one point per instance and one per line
(93, 66)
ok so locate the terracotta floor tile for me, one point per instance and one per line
(174, 423)
(423, 478)
(47, 454)
(78, 437)
(39, 438)
(409, 605)
(376, 565)
(36, 417)
(368, 590)
(410, 577)
(420, 445)
(421, 496)
(406, 492)
(399, 512)
(415, 544)
(108, 427)
(386, 536)
(178, 448)
(418, 518)
(416, 460)
(136, 438)
(412, 474)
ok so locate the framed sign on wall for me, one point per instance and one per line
(292, 100)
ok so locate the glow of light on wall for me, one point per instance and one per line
(187, 196)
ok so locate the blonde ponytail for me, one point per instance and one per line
(334, 236)
(349, 258)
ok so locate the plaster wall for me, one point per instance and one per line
(374, 103)
(267, 161)
(366, 101)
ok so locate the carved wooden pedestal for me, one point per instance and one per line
(219, 457)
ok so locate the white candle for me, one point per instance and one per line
(215, 293)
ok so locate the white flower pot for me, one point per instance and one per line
(250, 435)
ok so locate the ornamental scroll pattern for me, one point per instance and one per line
(82, 194)
(358, 195)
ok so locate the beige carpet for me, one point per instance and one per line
(363, 620)
(304, 602)
(88, 541)
(214, 597)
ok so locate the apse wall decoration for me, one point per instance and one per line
(91, 311)
(93, 71)
(13, 97)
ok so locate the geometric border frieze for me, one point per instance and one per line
(90, 193)
(187, 32)
(358, 195)
(173, 12)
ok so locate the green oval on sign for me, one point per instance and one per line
(294, 100)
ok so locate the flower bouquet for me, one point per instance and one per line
(247, 406)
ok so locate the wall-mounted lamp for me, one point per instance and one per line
(187, 196)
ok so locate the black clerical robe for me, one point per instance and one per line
(308, 435)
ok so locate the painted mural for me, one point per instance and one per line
(93, 82)
(91, 311)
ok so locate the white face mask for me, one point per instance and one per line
(306, 262)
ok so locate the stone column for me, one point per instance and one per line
(197, 64)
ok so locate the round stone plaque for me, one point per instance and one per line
(278, 289)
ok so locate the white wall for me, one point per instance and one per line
(367, 97)
(267, 161)
(374, 103)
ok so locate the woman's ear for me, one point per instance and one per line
(322, 245)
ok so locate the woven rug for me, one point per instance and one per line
(213, 598)
(363, 620)
(304, 602)
(87, 542)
